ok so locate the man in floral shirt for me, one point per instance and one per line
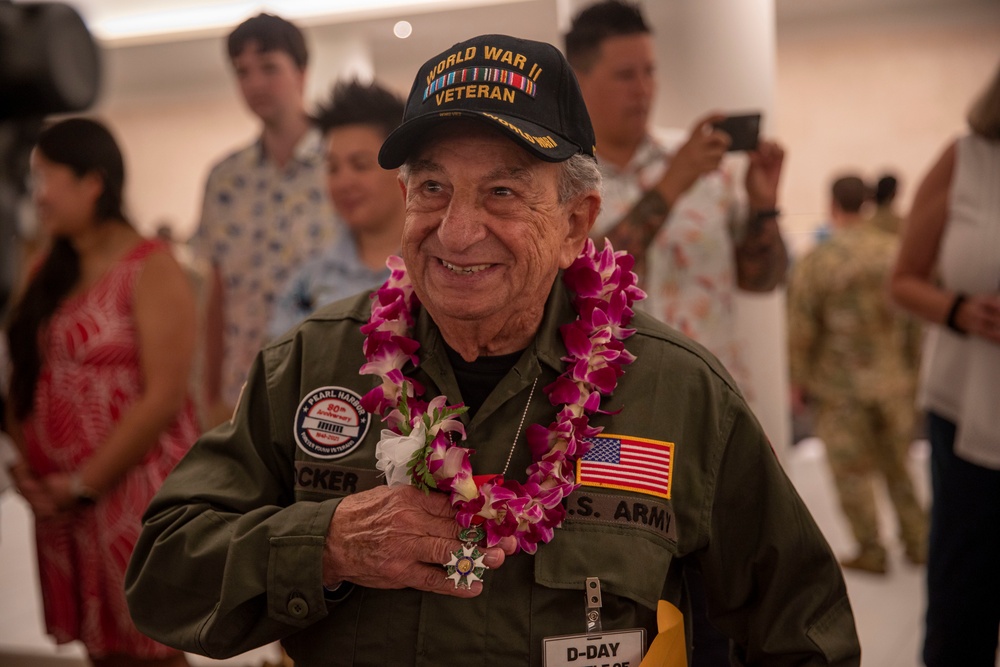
(673, 202)
(265, 209)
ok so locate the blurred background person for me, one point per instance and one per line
(200, 274)
(265, 209)
(851, 356)
(885, 216)
(354, 122)
(678, 210)
(101, 342)
(948, 274)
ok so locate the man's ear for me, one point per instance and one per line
(402, 183)
(582, 213)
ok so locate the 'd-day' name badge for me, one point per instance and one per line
(622, 648)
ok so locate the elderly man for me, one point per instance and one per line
(536, 446)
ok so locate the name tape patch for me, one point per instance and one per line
(615, 510)
(334, 480)
(330, 422)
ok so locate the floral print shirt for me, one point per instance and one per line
(335, 274)
(690, 267)
(259, 223)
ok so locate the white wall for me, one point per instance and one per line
(873, 92)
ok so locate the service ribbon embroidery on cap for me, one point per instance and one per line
(484, 74)
(468, 82)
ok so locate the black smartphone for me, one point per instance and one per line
(744, 130)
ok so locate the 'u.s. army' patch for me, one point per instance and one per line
(628, 463)
(330, 422)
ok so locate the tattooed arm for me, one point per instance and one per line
(636, 230)
(760, 254)
(700, 154)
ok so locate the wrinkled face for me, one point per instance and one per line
(64, 202)
(619, 87)
(485, 233)
(365, 195)
(271, 83)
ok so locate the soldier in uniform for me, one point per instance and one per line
(855, 358)
(440, 474)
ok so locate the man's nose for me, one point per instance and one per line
(646, 85)
(462, 225)
(253, 81)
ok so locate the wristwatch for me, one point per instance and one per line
(84, 494)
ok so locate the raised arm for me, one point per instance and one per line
(761, 255)
(700, 154)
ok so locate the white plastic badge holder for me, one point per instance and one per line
(621, 648)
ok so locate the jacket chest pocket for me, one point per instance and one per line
(629, 542)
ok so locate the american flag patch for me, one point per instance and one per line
(625, 462)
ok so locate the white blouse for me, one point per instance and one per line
(960, 375)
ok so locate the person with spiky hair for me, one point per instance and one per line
(355, 122)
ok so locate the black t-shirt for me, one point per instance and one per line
(476, 379)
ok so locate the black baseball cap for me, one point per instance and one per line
(524, 88)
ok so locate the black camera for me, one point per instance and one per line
(49, 64)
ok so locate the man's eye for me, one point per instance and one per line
(502, 191)
(432, 187)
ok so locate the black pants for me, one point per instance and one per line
(963, 566)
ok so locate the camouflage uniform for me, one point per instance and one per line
(856, 359)
(887, 220)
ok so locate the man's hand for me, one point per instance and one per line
(700, 154)
(398, 537)
(763, 175)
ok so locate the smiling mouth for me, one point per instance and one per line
(464, 270)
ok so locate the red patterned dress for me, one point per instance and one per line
(90, 378)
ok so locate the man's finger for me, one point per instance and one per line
(435, 580)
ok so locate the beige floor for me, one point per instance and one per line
(888, 609)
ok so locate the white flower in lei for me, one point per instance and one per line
(420, 433)
(393, 453)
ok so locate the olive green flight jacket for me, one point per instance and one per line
(230, 556)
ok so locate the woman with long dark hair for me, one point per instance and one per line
(101, 342)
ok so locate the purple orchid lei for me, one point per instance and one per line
(418, 445)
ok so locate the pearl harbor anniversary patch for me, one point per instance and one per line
(330, 422)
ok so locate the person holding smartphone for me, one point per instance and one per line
(697, 236)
